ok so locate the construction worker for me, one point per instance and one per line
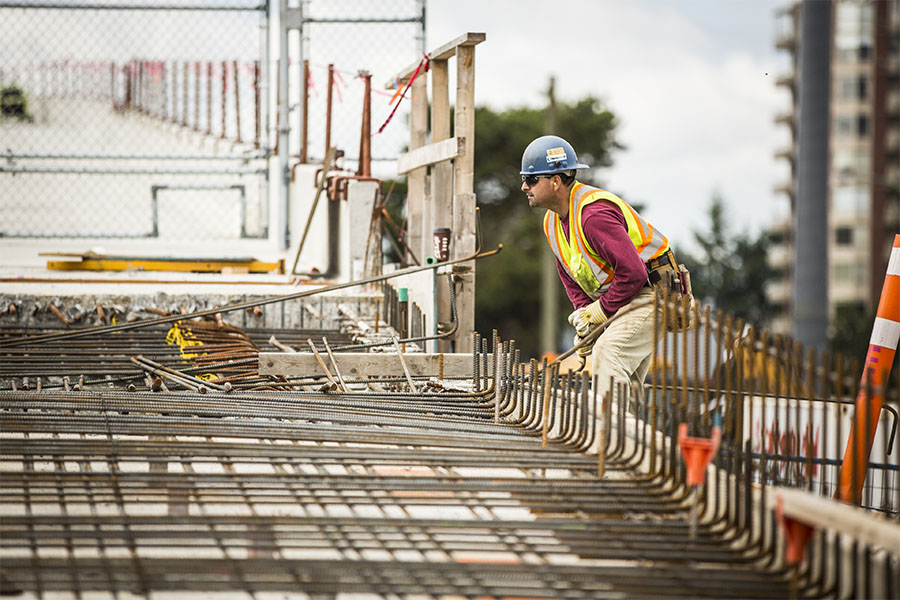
(605, 255)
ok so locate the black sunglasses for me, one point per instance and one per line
(532, 180)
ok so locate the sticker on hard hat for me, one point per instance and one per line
(555, 155)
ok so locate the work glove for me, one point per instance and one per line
(582, 319)
(583, 353)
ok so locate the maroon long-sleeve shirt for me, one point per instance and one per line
(606, 231)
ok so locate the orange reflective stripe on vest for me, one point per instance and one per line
(593, 274)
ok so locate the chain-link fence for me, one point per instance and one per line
(381, 37)
(133, 120)
(156, 119)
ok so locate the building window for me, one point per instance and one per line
(843, 126)
(845, 88)
(844, 273)
(864, 52)
(862, 126)
(843, 236)
(850, 201)
(862, 88)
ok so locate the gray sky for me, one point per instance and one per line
(692, 82)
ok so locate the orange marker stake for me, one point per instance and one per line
(879, 358)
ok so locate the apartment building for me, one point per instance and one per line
(843, 81)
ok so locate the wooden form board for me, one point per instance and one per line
(433, 153)
(353, 364)
(825, 513)
(442, 52)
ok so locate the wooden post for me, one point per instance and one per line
(418, 133)
(463, 242)
(441, 213)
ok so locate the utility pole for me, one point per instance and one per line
(549, 306)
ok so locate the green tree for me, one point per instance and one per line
(508, 285)
(731, 271)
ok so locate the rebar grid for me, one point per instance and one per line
(412, 498)
(523, 483)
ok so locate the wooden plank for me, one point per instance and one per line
(441, 181)
(442, 52)
(146, 264)
(418, 134)
(463, 240)
(358, 364)
(430, 154)
(825, 513)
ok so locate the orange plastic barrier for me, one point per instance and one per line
(879, 358)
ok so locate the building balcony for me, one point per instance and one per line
(785, 118)
(779, 257)
(779, 291)
(786, 41)
(787, 80)
(786, 188)
(788, 153)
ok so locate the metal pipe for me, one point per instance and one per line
(304, 114)
(329, 86)
(11, 155)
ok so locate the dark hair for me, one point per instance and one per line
(567, 177)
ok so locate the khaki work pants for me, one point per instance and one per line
(622, 353)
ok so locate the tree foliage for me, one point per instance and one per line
(731, 271)
(508, 293)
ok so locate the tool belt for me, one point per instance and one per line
(664, 273)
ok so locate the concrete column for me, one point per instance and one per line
(810, 275)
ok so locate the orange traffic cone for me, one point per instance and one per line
(879, 358)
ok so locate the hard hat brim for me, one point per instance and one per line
(578, 167)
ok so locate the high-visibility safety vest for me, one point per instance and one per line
(585, 266)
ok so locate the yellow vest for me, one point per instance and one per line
(585, 266)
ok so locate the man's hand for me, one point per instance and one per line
(582, 319)
(583, 353)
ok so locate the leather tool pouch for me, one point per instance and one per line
(667, 275)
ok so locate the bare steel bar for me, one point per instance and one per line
(209, 97)
(237, 101)
(10, 155)
(330, 85)
(224, 96)
(216, 6)
(304, 115)
(127, 171)
(256, 104)
(196, 95)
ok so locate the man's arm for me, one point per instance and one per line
(576, 295)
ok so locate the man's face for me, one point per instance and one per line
(541, 192)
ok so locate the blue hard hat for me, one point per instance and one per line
(549, 154)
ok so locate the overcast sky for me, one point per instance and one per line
(692, 82)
